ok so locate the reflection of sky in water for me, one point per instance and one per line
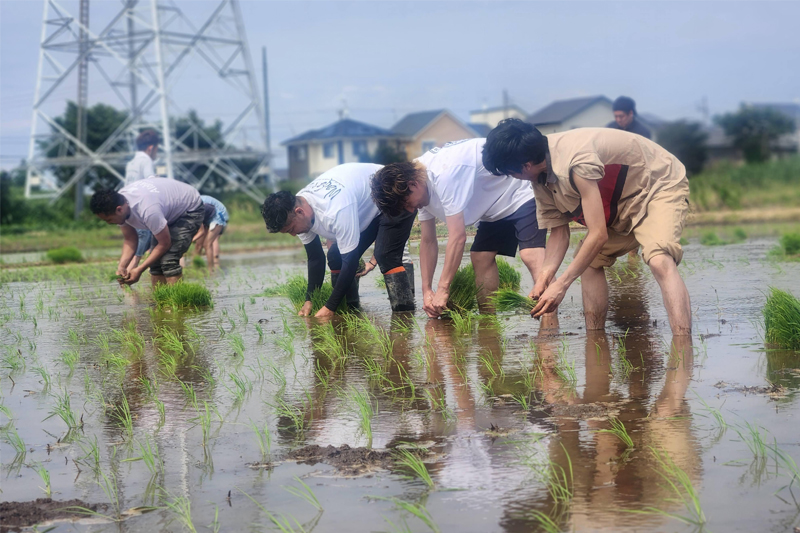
(494, 490)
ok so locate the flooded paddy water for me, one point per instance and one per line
(221, 419)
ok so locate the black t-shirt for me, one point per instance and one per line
(634, 127)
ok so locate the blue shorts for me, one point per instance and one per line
(218, 220)
(144, 241)
(504, 235)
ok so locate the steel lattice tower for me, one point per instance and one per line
(139, 63)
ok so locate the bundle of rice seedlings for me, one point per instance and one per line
(782, 320)
(511, 300)
(295, 289)
(198, 262)
(182, 294)
(464, 292)
(66, 254)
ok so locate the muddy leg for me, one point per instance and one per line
(674, 292)
(594, 288)
(487, 278)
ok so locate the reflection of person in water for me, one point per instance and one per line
(605, 475)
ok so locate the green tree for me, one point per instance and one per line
(754, 130)
(687, 141)
(386, 154)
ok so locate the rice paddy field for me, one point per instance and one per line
(240, 416)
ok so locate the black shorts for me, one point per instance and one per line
(181, 232)
(504, 235)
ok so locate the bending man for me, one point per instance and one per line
(452, 185)
(626, 190)
(337, 205)
(171, 210)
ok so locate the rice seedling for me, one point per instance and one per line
(169, 340)
(414, 466)
(329, 343)
(295, 289)
(305, 493)
(264, 440)
(13, 360)
(181, 507)
(45, 375)
(363, 402)
(182, 295)
(161, 410)
(754, 438)
(715, 413)
(286, 344)
(680, 485)
(281, 522)
(619, 431)
(464, 292)
(44, 475)
(417, 510)
(241, 386)
(65, 254)
(790, 243)
(278, 376)
(198, 262)
(323, 375)
(203, 418)
(236, 343)
(122, 414)
(12, 438)
(260, 331)
(91, 452)
(240, 309)
(508, 299)
(63, 410)
(523, 399)
(439, 404)
(294, 415)
(463, 323)
(150, 456)
(782, 319)
(565, 369)
(189, 392)
(545, 522)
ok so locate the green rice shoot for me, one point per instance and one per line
(507, 299)
(782, 320)
(464, 292)
(66, 254)
(182, 294)
(295, 289)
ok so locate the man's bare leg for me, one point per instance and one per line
(674, 292)
(594, 288)
(172, 280)
(487, 278)
(156, 279)
(533, 259)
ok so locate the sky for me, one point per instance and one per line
(387, 58)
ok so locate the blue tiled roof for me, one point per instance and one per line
(561, 110)
(346, 127)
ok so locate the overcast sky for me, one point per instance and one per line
(390, 58)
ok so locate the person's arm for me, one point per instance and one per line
(368, 267)
(346, 276)
(596, 237)
(453, 254)
(164, 240)
(130, 239)
(316, 272)
(428, 256)
(554, 253)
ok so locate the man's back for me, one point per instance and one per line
(157, 202)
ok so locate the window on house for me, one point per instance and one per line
(301, 153)
(359, 148)
(428, 145)
(328, 150)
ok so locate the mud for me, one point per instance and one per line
(347, 461)
(17, 515)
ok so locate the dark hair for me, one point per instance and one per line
(390, 187)
(106, 201)
(512, 144)
(624, 104)
(146, 139)
(277, 210)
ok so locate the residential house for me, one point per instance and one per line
(428, 129)
(563, 115)
(345, 141)
(491, 116)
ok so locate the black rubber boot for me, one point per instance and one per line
(401, 291)
(351, 295)
(410, 272)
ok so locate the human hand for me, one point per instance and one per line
(549, 299)
(305, 310)
(427, 303)
(540, 285)
(324, 313)
(368, 267)
(440, 299)
(133, 276)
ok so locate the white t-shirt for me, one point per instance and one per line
(139, 168)
(158, 202)
(459, 183)
(342, 204)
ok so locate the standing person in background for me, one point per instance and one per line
(625, 117)
(139, 168)
(170, 209)
(214, 223)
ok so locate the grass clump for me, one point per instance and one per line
(198, 262)
(790, 243)
(782, 320)
(295, 289)
(65, 254)
(710, 238)
(510, 300)
(464, 292)
(182, 294)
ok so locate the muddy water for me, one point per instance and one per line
(499, 408)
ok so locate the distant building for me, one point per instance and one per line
(346, 141)
(791, 141)
(428, 129)
(491, 116)
(564, 115)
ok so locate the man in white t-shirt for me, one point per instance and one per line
(337, 205)
(170, 209)
(452, 185)
(139, 168)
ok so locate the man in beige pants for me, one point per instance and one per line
(626, 190)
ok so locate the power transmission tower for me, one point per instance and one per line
(152, 60)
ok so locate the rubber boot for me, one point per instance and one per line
(410, 272)
(400, 290)
(351, 295)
